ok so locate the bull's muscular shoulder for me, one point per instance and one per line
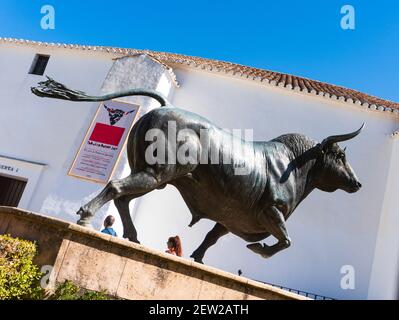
(285, 181)
(278, 158)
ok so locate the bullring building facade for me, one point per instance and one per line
(41, 155)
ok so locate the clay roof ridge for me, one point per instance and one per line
(274, 78)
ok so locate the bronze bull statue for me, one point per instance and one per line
(279, 174)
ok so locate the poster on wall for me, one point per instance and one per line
(101, 148)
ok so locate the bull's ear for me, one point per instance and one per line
(320, 148)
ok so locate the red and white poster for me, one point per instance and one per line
(101, 148)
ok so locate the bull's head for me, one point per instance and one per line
(333, 170)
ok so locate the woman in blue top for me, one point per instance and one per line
(108, 222)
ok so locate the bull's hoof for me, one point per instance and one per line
(131, 238)
(258, 248)
(85, 218)
(85, 213)
(196, 259)
(85, 223)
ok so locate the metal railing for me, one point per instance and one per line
(313, 296)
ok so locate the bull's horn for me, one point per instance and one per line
(342, 137)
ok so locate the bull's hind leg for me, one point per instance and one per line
(122, 204)
(135, 183)
(275, 223)
(211, 238)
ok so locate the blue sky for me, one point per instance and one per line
(298, 37)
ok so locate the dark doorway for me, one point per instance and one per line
(11, 190)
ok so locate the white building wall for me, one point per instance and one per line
(50, 131)
(46, 130)
(384, 281)
(327, 230)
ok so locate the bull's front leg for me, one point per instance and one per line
(135, 184)
(274, 222)
(211, 238)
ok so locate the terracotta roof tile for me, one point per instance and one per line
(273, 78)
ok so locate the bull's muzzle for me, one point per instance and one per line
(356, 185)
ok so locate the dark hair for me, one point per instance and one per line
(109, 221)
(176, 243)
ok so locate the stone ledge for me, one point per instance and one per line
(97, 261)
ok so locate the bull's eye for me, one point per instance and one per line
(341, 156)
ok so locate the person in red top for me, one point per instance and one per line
(174, 246)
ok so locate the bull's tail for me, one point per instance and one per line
(53, 89)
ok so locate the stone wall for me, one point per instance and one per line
(127, 270)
